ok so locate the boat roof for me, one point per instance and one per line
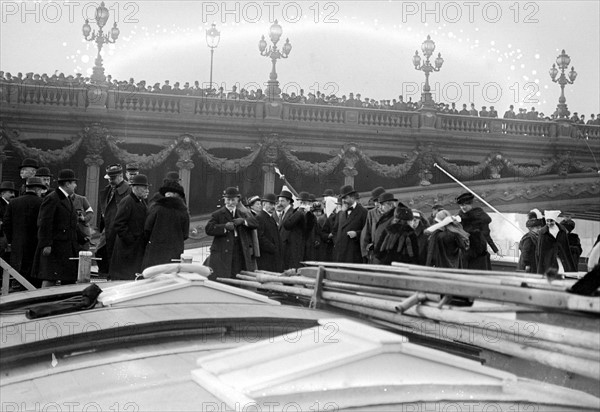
(193, 344)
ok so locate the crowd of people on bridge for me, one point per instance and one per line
(43, 228)
(130, 87)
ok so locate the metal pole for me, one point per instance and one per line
(212, 52)
(479, 197)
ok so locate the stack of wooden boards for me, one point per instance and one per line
(420, 300)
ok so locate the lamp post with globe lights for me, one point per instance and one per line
(428, 47)
(213, 36)
(273, 91)
(563, 61)
(100, 38)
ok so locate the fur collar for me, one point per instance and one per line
(171, 203)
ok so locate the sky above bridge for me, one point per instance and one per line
(496, 53)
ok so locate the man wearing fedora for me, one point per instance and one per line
(348, 227)
(476, 223)
(20, 227)
(130, 243)
(27, 169)
(292, 224)
(368, 233)
(167, 226)
(117, 190)
(57, 235)
(232, 249)
(271, 257)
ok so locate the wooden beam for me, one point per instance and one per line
(10, 271)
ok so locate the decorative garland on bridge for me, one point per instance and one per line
(226, 165)
(143, 161)
(44, 157)
(311, 169)
(392, 171)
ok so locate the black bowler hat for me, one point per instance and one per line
(8, 186)
(346, 191)
(172, 176)
(66, 175)
(43, 172)
(132, 168)
(231, 192)
(114, 170)
(304, 197)
(312, 197)
(375, 193)
(35, 182)
(172, 187)
(386, 197)
(270, 197)
(328, 192)
(287, 194)
(403, 213)
(139, 180)
(465, 199)
(27, 162)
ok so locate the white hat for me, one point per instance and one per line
(551, 214)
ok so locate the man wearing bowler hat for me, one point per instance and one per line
(477, 224)
(232, 249)
(368, 233)
(27, 169)
(46, 176)
(271, 257)
(57, 235)
(292, 224)
(130, 242)
(348, 227)
(117, 190)
(131, 170)
(20, 227)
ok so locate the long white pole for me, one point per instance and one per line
(479, 197)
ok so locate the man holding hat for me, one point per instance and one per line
(477, 224)
(271, 258)
(20, 227)
(26, 170)
(130, 242)
(368, 233)
(117, 190)
(553, 250)
(57, 235)
(232, 249)
(348, 227)
(292, 224)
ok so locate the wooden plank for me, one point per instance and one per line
(315, 300)
(524, 296)
(8, 270)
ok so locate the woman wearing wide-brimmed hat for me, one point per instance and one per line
(167, 226)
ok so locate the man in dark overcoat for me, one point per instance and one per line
(232, 249)
(271, 257)
(348, 227)
(130, 243)
(117, 190)
(20, 227)
(57, 235)
(292, 224)
(367, 235)
(476, 223)
(553, 250)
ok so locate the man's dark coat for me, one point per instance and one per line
(476, 223)
(550, 247)
(57, 228)
(130, 239)
(108, 207)
(223, 247)
(271, 257)
(292, 231)
(348, 250)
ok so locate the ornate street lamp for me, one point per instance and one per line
(100, 38)
(273, 91)
(563, 61)
(213, 36)
(428, 47)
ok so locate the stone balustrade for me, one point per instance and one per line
(75, 97)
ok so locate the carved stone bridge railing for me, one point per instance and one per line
(78, 98)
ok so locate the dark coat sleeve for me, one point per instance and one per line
(46, 220)
(121, 227)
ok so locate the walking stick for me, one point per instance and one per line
(479, 197)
